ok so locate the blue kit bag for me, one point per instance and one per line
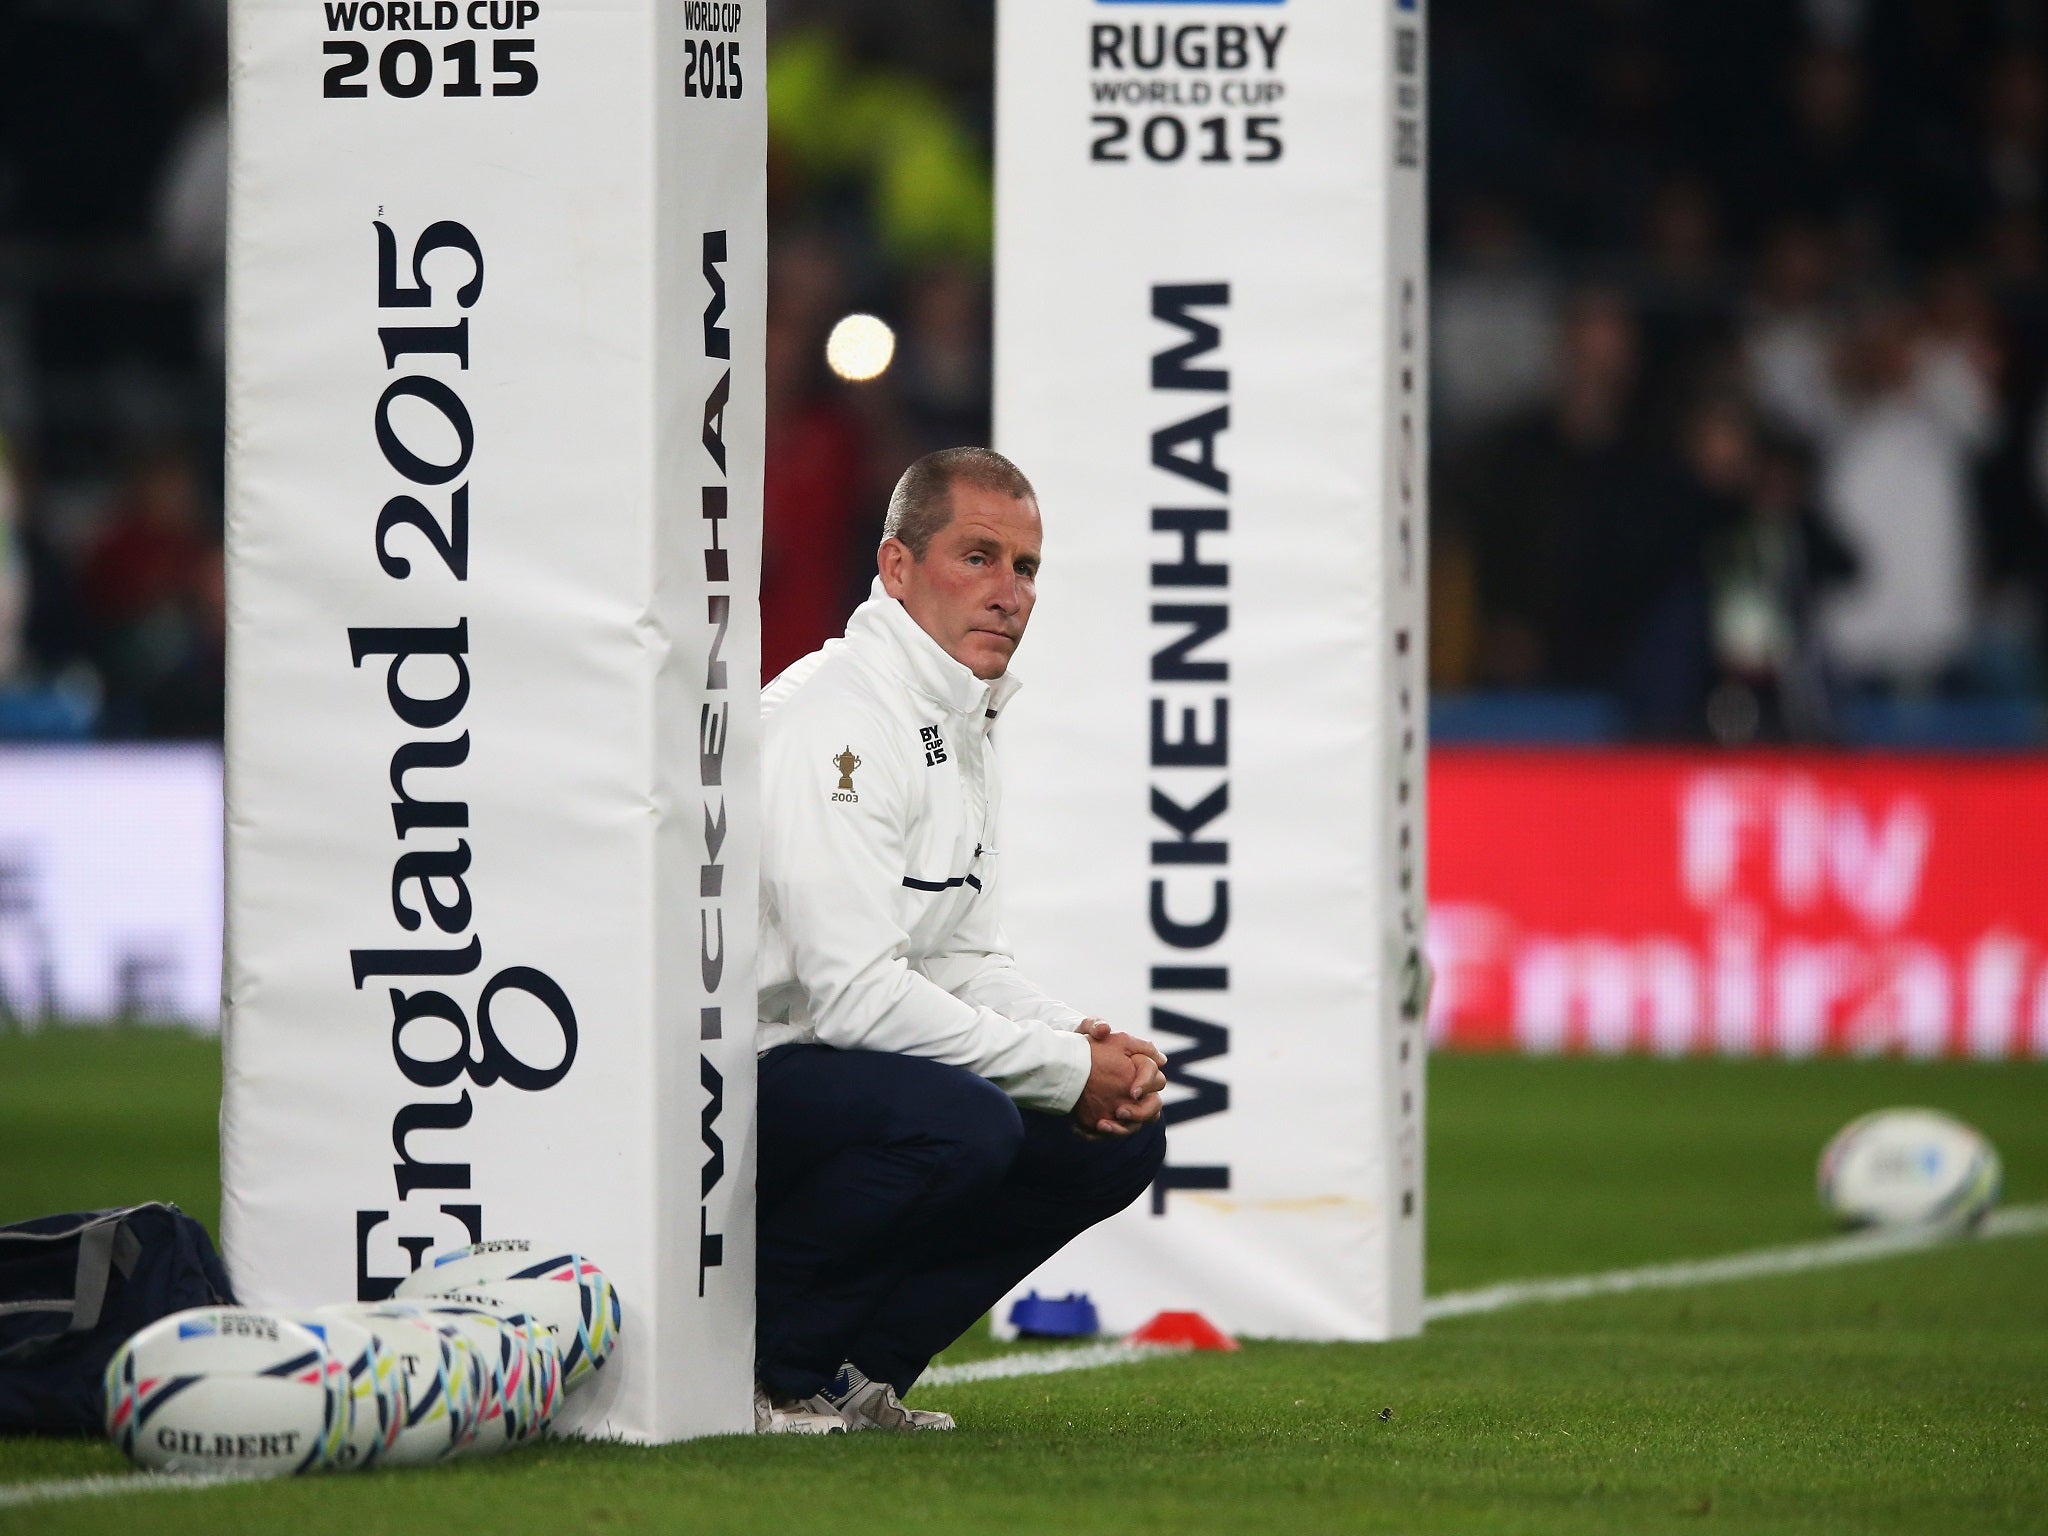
(75, 1288)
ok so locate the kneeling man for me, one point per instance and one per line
(932, 1125)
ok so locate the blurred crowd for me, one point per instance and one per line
(1741, 356)
(1740, 353)
(879, 201)
(113, 193)
(112, 239)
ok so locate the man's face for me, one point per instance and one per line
(973, 590)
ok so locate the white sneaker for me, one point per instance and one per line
(795, 1415)
(866, 1404)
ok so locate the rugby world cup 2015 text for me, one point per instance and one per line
(417, 417)
(407, 68)
(1189, 728)
(712, 67)
(1191, 92)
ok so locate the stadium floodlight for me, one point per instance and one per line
(860, 348)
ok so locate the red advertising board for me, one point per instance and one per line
(1788, 904)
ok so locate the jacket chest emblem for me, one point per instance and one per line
(846, 762)
(934, 745)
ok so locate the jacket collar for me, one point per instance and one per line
(882, 629)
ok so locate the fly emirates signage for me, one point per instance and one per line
(1783, 905)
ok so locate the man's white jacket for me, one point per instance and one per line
(880, 866)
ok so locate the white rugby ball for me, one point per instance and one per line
(527, 1375)
(564, 1291)
(442, 1381)
(228, 1390)
(369, 1373)
(1909, 1167)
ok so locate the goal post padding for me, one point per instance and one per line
(497, 277)
(1211, 358)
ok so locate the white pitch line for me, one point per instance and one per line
(14, 1496)
(1049, 1362)
(1795, 1258)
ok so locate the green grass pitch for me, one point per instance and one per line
(1909, 1395)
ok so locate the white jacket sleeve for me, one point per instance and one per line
(832, 874)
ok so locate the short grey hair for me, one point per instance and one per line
(922, 503)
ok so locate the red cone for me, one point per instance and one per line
(1182, 1330)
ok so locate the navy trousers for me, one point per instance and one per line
(900, 1198)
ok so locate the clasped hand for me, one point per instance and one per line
(1125, 1079)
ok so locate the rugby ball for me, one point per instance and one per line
(526, 1372)
(1909, 1167)
(368, 1373)
(440, 1381)
(229, 1390)
(563, 1291)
